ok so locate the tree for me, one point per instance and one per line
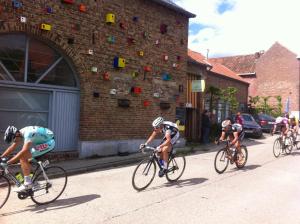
(214, 96)
(277, 111)
(229, 95)
(264, 106)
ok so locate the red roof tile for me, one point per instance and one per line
(241, 64)
(216, 67)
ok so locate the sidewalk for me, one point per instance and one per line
(78, 166)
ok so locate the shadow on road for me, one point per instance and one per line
(186, 182)
(58, 204)
(245, 168)
(180, 183)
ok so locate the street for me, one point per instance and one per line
(265, 191)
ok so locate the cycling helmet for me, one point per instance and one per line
(157, 122)
(225, 123)
(278, 120)
(10, 134)
(292, 116)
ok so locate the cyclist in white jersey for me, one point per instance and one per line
(36, 142)
(171, 135)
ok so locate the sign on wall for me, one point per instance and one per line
(198, 86)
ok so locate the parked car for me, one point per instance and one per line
(265, 121)
(250, 126)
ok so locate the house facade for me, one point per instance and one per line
(97, 73)
(214, 75)
(275, 72)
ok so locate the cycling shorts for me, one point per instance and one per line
(42, 149)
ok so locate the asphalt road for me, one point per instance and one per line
(265, 191)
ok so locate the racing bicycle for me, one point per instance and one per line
(145, 171)
(49, 182)
(228, 154)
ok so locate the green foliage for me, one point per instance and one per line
(261, 104)
(229, 95)
(214, 93)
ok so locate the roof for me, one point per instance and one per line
(171, 5)
(241, 64)
(216, 67)
(198, 58)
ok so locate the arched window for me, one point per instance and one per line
(25, 59)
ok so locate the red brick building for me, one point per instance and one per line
(96, 73)
(275, 72)
(215, 75)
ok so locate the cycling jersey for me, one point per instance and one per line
(172, 129)
(235, 128)
(42, 139)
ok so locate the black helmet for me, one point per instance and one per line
(10, 134)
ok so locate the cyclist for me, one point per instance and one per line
(283, 124)
(293, 124)
(235, 133)
(171, 135)
(36, 142)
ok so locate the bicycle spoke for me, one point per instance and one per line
(143, 174)
(48, 190)
(221, 161)
(176, 167)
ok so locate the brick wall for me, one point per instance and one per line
(277, 73)
(223, 82)
(100, 117)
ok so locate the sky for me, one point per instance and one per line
(238, 27)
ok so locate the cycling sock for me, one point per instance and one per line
(27, 180)
(165, 165)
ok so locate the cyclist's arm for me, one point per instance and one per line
(168, 139)
(236, 137)
(152, 136)
(222, 136)
(24, 149)
(10, 149)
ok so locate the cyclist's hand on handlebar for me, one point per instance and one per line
(217, 141)
(143, 146)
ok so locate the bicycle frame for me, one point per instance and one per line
(12, 177)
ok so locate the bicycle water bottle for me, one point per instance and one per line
(19, 177)
(233, 151)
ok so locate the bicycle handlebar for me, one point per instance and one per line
(147, 147)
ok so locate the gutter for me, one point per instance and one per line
(169, 4)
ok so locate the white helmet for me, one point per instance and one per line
(279, 120)
(157, 122)
(225, 123)
(292, 116)
(10, 134)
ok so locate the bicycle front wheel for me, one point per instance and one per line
(221, 161)
(143, 174)
(47, 189)
(176, 167)
(4, 190)
(277, 146)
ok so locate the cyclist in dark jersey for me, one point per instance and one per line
(234, 132)
(171, 135)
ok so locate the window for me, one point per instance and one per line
(25, 59)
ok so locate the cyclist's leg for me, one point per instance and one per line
(165, 154)
(25, 164)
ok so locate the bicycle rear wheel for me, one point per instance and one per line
(4, 190)
(241, 162)
(277, 146)
(288, 145)
(47, 191)
(176, 167)
(221, 161)
(143, 174)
